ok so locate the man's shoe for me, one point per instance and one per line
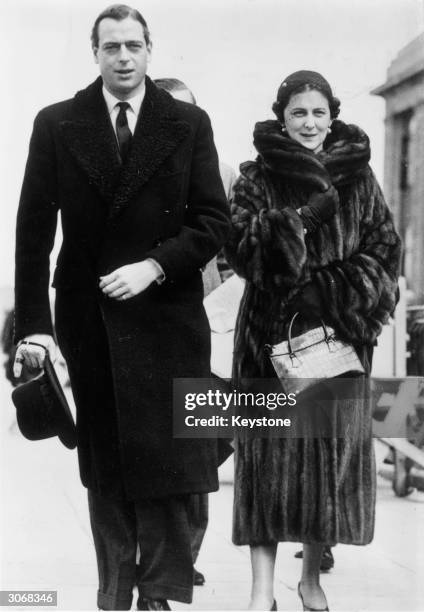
(145, 603)
(327, 559)
(198, 578)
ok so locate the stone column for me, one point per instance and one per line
(416, 180)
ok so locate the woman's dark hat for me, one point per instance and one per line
(42, 410)
(296, 81)
(300, 78)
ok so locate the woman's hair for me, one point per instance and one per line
(300, 81)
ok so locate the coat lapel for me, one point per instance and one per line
(157, 135)
(91, 140)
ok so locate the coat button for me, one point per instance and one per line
(166, 212)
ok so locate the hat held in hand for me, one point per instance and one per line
(42, 410)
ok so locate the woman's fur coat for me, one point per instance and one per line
(310, 490)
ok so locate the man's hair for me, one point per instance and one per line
(118, 12)
(171, 85)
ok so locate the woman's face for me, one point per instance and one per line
(307, 119)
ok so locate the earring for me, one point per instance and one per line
(329, 130)
(283, 128)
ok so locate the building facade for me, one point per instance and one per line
(403, 92)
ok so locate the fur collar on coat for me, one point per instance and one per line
(345, 155)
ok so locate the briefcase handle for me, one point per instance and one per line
(327, 337)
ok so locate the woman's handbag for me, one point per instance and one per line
(317, 354)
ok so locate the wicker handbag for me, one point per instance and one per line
(306, 360)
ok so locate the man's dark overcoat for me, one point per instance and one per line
(167, 202)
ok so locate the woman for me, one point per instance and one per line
(311, 234)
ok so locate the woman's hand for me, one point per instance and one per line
(33, 355)
(325, 204)
(128, 281)
(320, 208)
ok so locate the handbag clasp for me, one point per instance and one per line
(331, 343)
(294, 359)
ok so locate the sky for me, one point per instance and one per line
(233, 54)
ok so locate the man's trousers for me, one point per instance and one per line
(198, 516)
(160, 528)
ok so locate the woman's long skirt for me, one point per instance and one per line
(315, 488)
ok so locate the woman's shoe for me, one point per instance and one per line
(273, 608)
(305, 607)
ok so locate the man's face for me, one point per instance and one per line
(122, 56)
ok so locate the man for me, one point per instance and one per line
(135, 176)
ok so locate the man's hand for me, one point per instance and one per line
(128, 281)
(31, 354)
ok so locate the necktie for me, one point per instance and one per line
(123, 132)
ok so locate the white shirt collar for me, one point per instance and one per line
(135, 102)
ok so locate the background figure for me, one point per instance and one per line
(217, 270)
(312, 235)
(213, 274)
(119, 160)
(415, 330)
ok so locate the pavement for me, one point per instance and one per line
(46, 540)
